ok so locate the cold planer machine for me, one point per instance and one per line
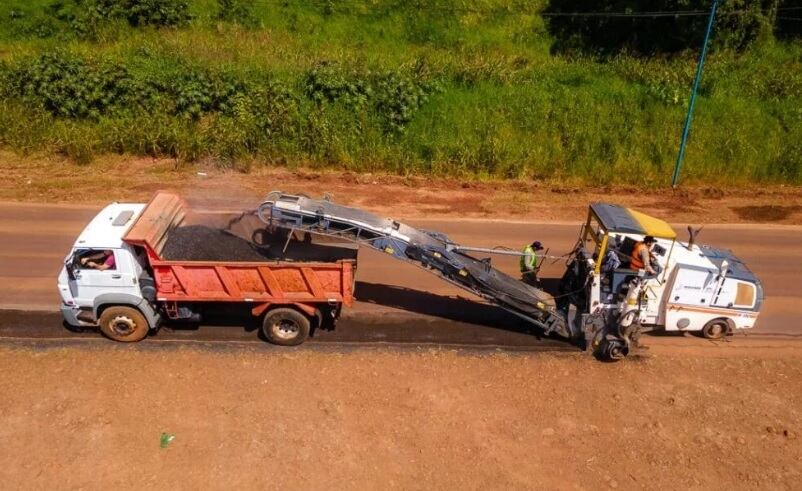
(432, 251)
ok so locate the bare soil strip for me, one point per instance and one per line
(114, 177)
(74, 417)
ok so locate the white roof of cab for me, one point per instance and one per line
(107, 229)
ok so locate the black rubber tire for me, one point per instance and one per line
(716, 329)
(124, 324)
(612, 350)
(286, 327)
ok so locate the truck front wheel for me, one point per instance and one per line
(125, 324)
(286, 327)
(716, 329)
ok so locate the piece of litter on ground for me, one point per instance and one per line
(166, 439)
(202, 174)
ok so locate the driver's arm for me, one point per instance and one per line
(91, 258)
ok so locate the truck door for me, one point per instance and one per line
(87, 282)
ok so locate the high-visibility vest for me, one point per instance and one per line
(528, 259)
(635, 261)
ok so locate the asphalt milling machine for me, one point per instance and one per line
(602, 309)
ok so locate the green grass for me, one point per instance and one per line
(406, 87)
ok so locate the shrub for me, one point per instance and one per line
(738, 24)
(201, 91)
(238, 11)
(327, 83)
(399, 97)
(159, 13)
(393, 96)
(68, 86)
(88, 17)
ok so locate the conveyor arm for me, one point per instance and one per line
(431, 250)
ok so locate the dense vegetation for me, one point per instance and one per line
(450, 87)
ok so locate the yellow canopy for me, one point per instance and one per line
(653, 226)
(616, 218)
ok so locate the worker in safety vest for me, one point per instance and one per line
(642, 256)
(529, 261)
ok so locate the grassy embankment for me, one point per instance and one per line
(392, 86)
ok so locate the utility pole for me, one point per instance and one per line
(696, 80)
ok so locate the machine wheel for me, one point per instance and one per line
(125, 324)
(286, 327)
(612, 350)
(716, 329)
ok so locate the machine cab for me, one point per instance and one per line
(600, 269)
(695, 288)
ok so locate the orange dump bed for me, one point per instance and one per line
(255, 282)
(264, 283)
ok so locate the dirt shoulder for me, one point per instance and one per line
(32, 179)
(309, 419)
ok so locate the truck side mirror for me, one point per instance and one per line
(73, 271)
(70, 267)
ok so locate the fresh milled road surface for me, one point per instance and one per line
(397, 302)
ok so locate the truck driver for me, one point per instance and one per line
(102, 260)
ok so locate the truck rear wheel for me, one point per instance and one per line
(125, 324)
(286, 327)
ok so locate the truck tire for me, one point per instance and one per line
(716, 329)
(286, 327)
(125, 324)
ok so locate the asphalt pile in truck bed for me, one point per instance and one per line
(204, 243)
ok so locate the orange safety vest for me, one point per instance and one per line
(635, 261)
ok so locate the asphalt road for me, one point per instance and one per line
(397, 302)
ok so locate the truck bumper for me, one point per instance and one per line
(70, 315)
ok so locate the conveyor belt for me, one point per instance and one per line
(431, 250)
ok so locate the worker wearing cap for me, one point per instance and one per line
(642, 256)
(529, 260)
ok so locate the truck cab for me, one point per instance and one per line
(87, 290)
(697, 287)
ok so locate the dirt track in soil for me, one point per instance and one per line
(92, 418)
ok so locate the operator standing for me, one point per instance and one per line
(529, 263)
(642, 256)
